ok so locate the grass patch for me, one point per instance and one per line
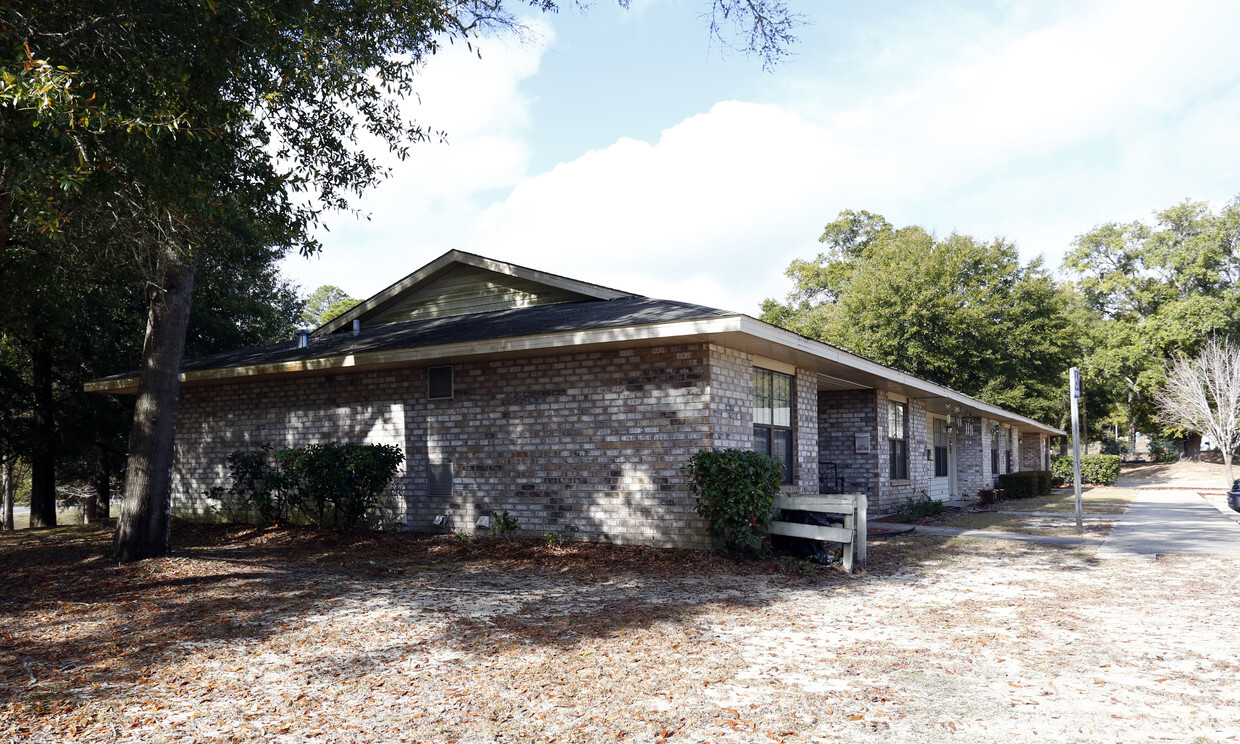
(64, 517)
(1030, 525)
(1094, 500)
(984, 521)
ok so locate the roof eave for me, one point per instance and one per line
(737, 330)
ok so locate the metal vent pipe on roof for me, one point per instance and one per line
(303, 338)
(357, 326)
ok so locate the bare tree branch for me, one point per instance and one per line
(1202, 394)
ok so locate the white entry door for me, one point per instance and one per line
(941, 487)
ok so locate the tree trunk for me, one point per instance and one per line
(1231, 476)
(143, 529)
(6, 507)
(103, 486)
(1132, 438)
(90, 504)
(43, 454)
(1191, 445)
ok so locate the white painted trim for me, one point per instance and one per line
(774, 365)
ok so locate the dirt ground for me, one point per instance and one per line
(1182, 474)
(249, 635)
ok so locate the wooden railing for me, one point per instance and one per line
(851, 507)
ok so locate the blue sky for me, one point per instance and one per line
(622, 147)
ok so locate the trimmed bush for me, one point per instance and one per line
(735, 491)
(1020, 485)
(328, 484)
(1026, 484)
(1098, 469)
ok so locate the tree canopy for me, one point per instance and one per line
(326, 303)
(193, 129)
(957, 311)
(1158, 291)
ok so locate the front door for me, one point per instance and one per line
(941, 486)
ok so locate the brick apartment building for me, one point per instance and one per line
(576, 407)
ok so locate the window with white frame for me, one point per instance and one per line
(897, 439)
(772, 417)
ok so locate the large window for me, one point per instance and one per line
(772, 417)
(897, 439)
(996, 444)
(1009, 443)
(940, 448)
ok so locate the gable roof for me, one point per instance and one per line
(449, 331)
(538, 311)
(460, 283)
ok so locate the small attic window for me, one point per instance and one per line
(439, 383)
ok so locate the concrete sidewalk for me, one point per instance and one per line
(1172, 522)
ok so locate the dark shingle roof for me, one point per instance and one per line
(526, 321)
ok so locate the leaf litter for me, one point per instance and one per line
(246, 634)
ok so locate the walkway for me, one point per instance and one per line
(1163, 521)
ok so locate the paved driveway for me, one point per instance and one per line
(1165, 521)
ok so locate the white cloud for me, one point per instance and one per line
(1106, 114)
(422, 209)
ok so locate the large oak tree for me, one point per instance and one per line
(1159, 291)
(184, 124)
(957, 311)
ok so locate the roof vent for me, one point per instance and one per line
(303, 338)
(357, 327)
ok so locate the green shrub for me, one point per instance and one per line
(1019, 485)
(503, 525)
(1098, 469)
(735, 492)
(1112, 446)
(1162, 450)
(924, 506)
(1026, 484)
(262, 480)
(329, 484)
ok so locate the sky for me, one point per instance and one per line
(624, 148)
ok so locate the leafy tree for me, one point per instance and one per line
(1158, 290)
(324, 304)
(956, 311)
(185, 126)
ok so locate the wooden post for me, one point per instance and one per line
(862, 526)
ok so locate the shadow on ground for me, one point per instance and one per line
(71, 619)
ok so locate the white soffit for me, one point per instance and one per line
(827, 382)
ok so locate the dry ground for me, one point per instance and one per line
(248, 635)
(21, 520)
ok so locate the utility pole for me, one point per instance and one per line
(1075, 375)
